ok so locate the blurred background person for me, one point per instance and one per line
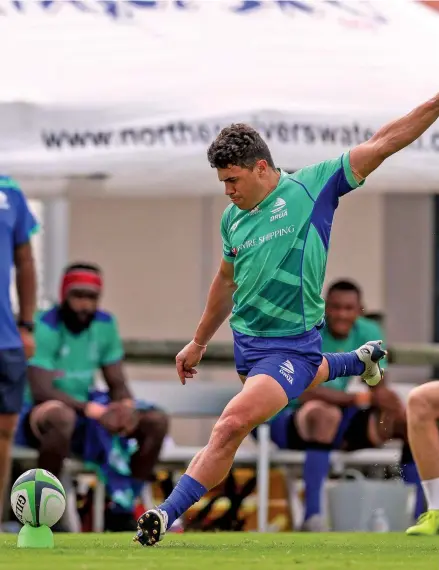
(17, 224)
(74, 339)
(423, 418)
(329, 417)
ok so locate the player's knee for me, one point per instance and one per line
(321, 422)
(419, 407)
(54, 418)
(230, 430)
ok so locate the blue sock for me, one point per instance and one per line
(186, 493)
(315, 471)
(410, 475)
(343, 364)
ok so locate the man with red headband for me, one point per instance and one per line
(73, 340)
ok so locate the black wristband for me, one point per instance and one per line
(28, 325)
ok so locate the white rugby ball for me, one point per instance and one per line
(38, 498)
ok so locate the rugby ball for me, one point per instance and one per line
(38, 498)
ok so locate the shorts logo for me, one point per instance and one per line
(4, 204)
(287, 370)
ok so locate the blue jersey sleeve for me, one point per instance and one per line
(330, 176)
(25, 222)
(112, 350)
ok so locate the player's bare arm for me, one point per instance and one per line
(393, 137)
(114, 376)
(218, 307)
(219, 303)
(26, 283)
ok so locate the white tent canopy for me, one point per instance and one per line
(124, 97)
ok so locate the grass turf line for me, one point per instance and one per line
(227, 551)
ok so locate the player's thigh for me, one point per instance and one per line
(259, 400)
(13, 371)
(424, 401)
(321, 376)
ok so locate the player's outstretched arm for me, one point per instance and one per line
(393, 137)
(218, 307)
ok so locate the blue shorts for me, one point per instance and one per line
(13, 375)
(293, 361)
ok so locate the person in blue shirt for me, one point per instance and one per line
(17, 224)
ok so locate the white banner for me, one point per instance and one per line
(125, 97)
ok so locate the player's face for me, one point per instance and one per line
(342, 310)
(243, 186)
(84, 303)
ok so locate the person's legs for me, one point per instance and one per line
(149, 434)
(52, 424)
(317, 423)
(282, 369)
(423, 435)
(260, 399)
(12, 383)
(8, 423)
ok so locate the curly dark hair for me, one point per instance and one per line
(238, 145)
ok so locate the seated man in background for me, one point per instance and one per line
(329, 418)
(73, 340)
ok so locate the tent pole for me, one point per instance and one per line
(207, 227)
(207, 253)
(55, 237)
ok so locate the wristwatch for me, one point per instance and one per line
(28, 325)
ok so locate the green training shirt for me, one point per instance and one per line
(279, 250)
(75, 358)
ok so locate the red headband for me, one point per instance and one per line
(80, 279)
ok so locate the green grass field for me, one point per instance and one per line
(235, 551)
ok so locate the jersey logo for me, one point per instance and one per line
(278, 205)
(279, 211)
(287, 370)
(234, 226)
(4, 203)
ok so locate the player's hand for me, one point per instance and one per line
(387, 401)
(27, 338)
(120, 418)
(187, 359)
(94, 411)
